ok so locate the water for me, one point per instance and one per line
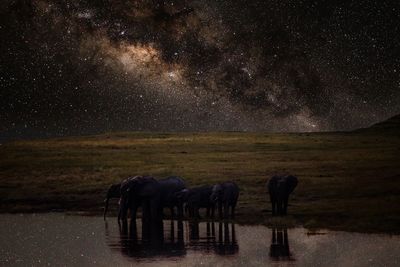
(62, 240)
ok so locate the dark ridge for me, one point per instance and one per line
(390, 125)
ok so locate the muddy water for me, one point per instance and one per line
(62, 240)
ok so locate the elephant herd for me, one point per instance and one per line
(153, 195)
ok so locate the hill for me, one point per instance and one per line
(391, 125)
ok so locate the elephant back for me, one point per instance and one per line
(136, 183)
(170, 186)
(173, 182)
(289, 182)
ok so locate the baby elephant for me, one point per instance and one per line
(225, 195)
(279, 188)
(196, 198)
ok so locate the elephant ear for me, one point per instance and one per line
(292, 181)
(127, 184)
(132, 183)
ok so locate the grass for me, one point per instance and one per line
(348, 181)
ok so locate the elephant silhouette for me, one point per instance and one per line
(279, 189)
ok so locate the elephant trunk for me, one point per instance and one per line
(106, 207)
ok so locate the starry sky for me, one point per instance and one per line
(84, 67)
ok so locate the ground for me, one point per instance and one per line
(347, 181)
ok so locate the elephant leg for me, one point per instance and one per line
(190, 210)
(285, 204)
(186, 208)
(233, 211)
(146, 215)
(119, 210)
(123, 229)
(197, 211)
(155, 208)
(160, 211)
(180, 211)
(133, 212)
(226, 210)
(273, 204)
(133, 231)
(119, 215)
(280, 207)
(123, 210)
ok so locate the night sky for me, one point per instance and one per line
(83, 67)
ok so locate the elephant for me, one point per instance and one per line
(279, 188)
(225, 195)
(114, 191)
(139, 191)
(196, 198)
(168, 189)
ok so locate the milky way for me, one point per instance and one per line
(80, 67)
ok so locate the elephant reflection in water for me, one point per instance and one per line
(152, 243)
(279, 249)
(227, 245)
(224, 243)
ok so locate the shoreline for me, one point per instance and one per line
(289, 221)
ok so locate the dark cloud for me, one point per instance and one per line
(73, 67)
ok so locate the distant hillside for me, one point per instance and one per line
(390, 125)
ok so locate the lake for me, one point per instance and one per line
(56, 239)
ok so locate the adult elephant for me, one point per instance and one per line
(140, 191)
(114, 191)
(225, 195)
(196, 198)
(279, 188)
(168, 189)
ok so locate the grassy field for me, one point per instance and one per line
(347, 181)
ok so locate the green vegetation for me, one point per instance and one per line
(347, 181)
